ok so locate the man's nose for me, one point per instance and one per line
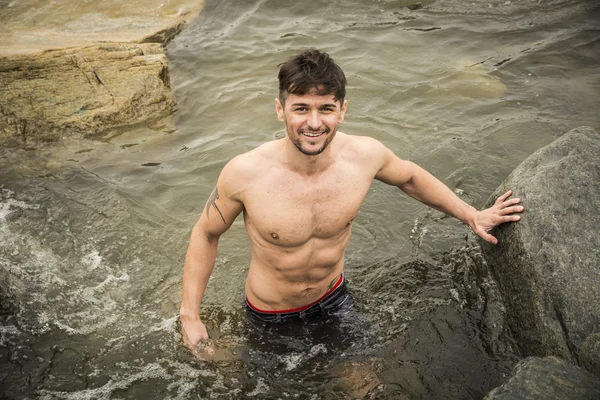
(314, 122)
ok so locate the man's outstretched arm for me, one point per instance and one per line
(421, 185)
(219, 213)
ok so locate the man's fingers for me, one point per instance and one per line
(187, 343)
(487, 237)
(205, 350)
(503, 197)
(499, 220)
(510, 210)
(192, 333)
(511, 202)
(504, 210)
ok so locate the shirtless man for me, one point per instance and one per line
(299, 196)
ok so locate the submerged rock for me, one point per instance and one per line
(548, 265)
(548, 378)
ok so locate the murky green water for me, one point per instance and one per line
(93, 233)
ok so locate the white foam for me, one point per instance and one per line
(316, 349)
(7, 331)
(8, 204)
(261, 388)
(111, 278)
(92, 260)
(456, 296)
(187, 371)
(87, 327)
(166, 325)
(150, 371)
(110, 342)
(291, 361)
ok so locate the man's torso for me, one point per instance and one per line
(299, 225)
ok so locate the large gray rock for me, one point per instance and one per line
(548, 378)
(548, 265)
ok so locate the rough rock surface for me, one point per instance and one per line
(69, 68)
(548, 378)
(548, 265)
(84, 90)
(31, 26)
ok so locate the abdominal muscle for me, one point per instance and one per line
(281, 279)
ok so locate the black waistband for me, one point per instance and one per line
(333, 300)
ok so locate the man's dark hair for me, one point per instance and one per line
(312, 72)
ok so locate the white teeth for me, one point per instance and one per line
(312, 134)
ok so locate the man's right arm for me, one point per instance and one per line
(219, 213)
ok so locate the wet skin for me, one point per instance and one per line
(299, 196)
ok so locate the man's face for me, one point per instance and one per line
(311, 121)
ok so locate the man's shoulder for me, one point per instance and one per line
(251, 163)
(362, 146)
(364, 151)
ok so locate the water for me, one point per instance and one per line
(92, 241)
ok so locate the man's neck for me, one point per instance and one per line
(305, 164)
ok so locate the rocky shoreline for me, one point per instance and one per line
(92, 85)
(547, 266)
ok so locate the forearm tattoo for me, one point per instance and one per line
(212, 202)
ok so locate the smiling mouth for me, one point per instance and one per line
(314, 134)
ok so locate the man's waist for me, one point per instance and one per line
(257, 306)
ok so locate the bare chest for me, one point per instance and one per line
(287, 210)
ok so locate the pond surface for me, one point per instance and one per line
(93, 233)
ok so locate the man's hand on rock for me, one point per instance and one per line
(502, 211)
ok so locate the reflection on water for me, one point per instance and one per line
(93, 233)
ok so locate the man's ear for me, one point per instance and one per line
(343, 111)
(279, 110)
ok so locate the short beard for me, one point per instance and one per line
(318, 151)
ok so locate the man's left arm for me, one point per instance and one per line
(421, 185)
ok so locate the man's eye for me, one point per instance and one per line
(301, 109)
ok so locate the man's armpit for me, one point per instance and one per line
(212, 202)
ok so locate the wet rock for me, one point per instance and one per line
(415, 6)
(32, 26)
(444, 355)
(69, 69)
(548, 265)
(547, 378)
(85, 91)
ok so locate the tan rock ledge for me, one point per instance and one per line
(69, 67)
(30, 26)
